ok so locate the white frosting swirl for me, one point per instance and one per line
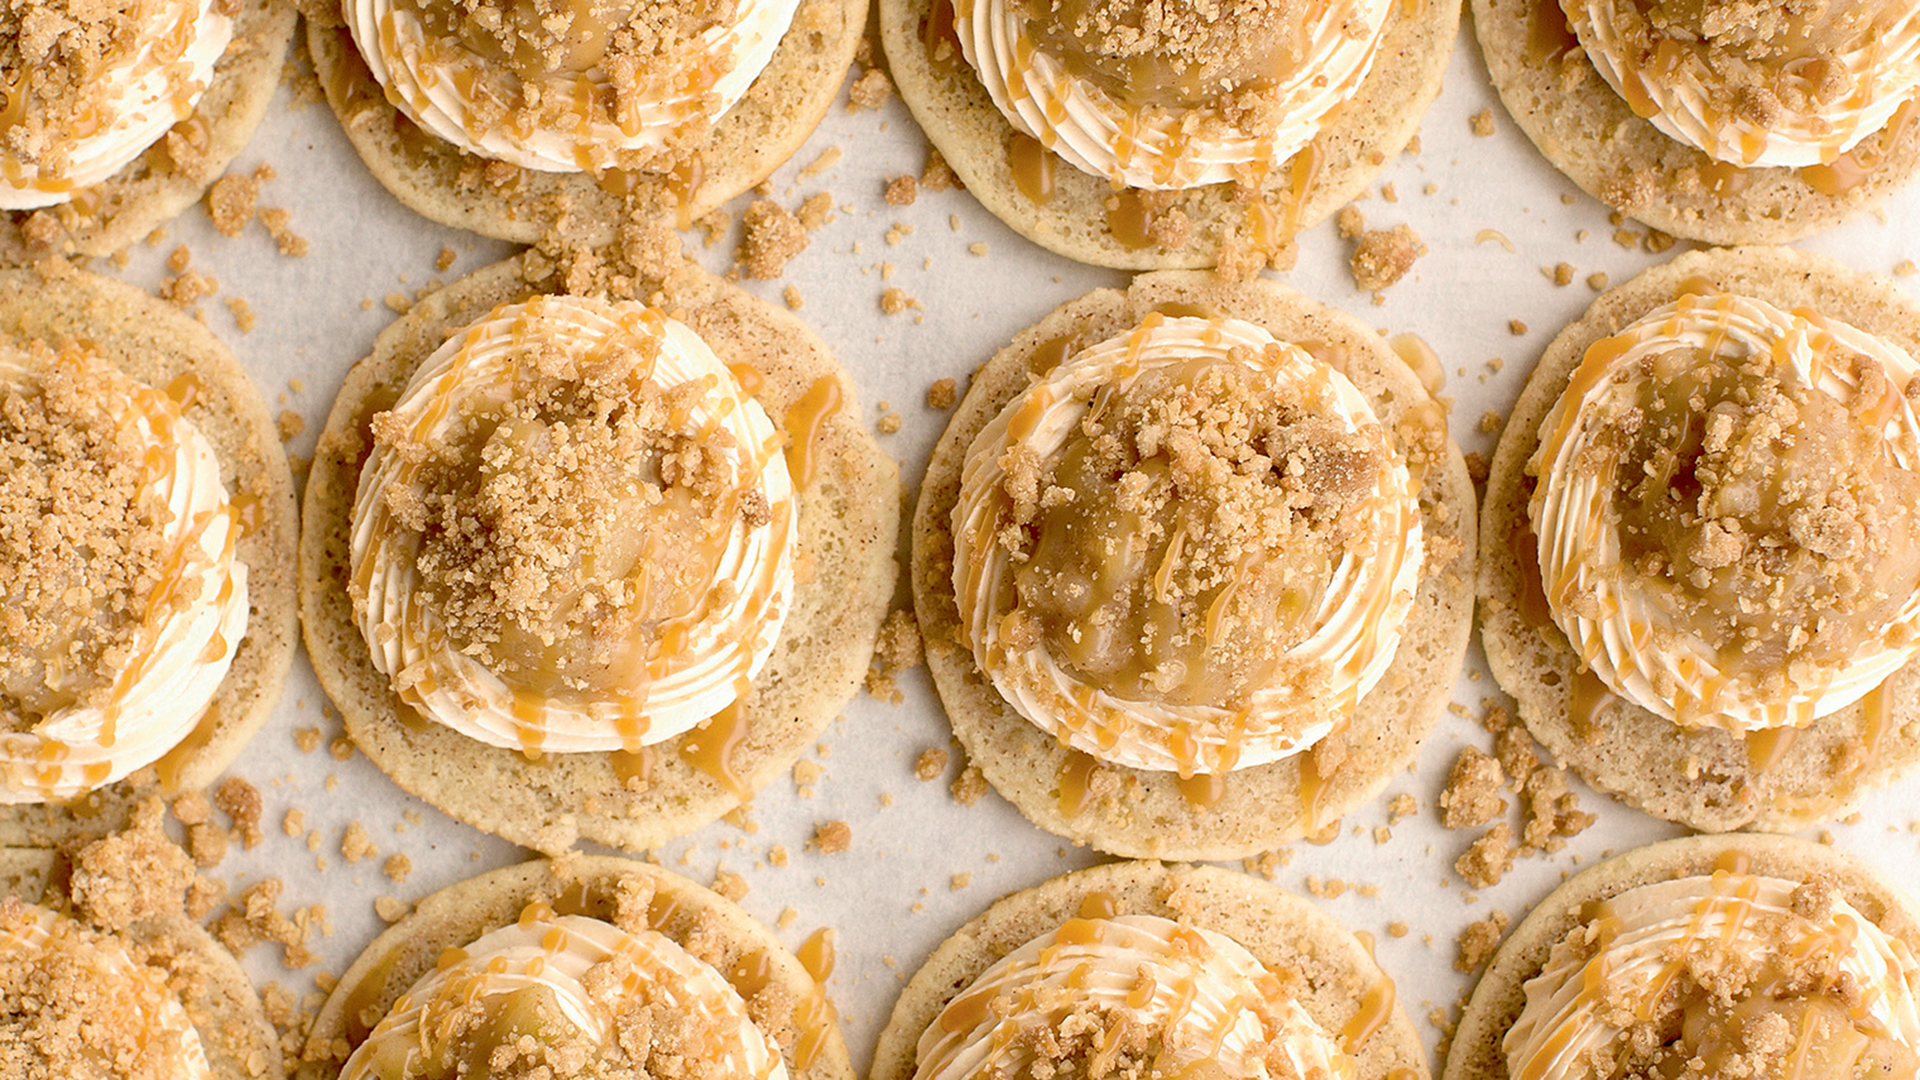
(1357, 623)
(1165, 147)
(1201, 992)
(131, 997)
(1850, 93)
(594, 971)
(1639, 645)
(475, 102)
(194, 615)
(702, 659)
(1627, 957)
(126, 106)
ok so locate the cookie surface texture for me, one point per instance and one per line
(1140, 813)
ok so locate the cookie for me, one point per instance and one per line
(1150, 811)
(173, 174)
(847, 495)
(160, 347)
(1325, 968)
(1085, 217)
(1551, 88)
(443, 183)
(1499, 1000)
(786, 1002)
(1706, 778)
(111, 913)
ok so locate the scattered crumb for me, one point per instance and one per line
(897, 649)
(355, 845)
(731, 886)
(1482, 122)
(188, 289)
(207, 843)
(1479, 940)
(1905, 268)
(1516, 327)
(230, 203)
(306, 739)
(1597, 280)
(931, 764)
(777, 855)
(791, 294)
(787, 918)
(1561, 273)
(969, 786)
(831, 837)
(341, 748)
(978, 247)
(399, 303)
(770, 236)
(899, 231)
(936, 174)
(390, 910)
(1388, 193)
(1552, 810)
(289, 424)
(828, 159)
(902, 190)
(1488, 859)
(179, 259)
(1397, 929)
(240, 801)
(1472, 795)
(960, 881)
(244, 318)
(942, 394)
(895, 300)
(1383, 256)
(870, 91)
(1351, 222)
(290, 244)
(295, 822)
(1489, 421)
(888, 424)
(397, 867)
(817, 211)
(192, 808)
(1401, 807)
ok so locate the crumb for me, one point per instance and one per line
(960, 881)
(1482, 122)
(936, 174)
(771, 235)
(1516, 328)
(1351, 222)
(787, 918)
(290, 244)
(355, 844)
(192, 808)
(731, 886)
(341, 748)
(942, 394)
(1382, 834)
(831, 837)
(240, 801)
(1597, 280)
(230, 203)
(897, 649)
(207, 842)
(188, 289)
(969, 786)
(1472, 795)
(1478, 941)
(289, 424)
(1401, 807)
(390, 910)
(870, 91)
(902, 190)
(1489, 422)
(931, 764)
(306, 739)
(1552, 811)
(399, 303)
(1488, 859)
(1905, 268)
(1561, 273)
(1478, 467)
(1383, 256)
(1397, 929)
(1626, 238)
(898, 233)
(777, 855)
(397, 867)
(791, 294)
(978, 247)
(895, 300)
(179, 259)
(295, 822)
(888, 424)
(817, 211)
(244, 318)
(828, 159)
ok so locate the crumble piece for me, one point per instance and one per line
(731, 886)
(355, 845)
(897, 649)
(902, 190)
(937, 175)
(1482, 122)
(1383, 256)
(1478, 941)
(1488, 859)
(816, 211)
(1401, 807)
(831, 837)
(240, 801)
(1351, 222)
(230, 203)
(289, 425)
(1552, 810)
(1516, 327)
(895, 300)
(397, 867)
(390, 910)
(942, 394)
(969, 786)
(931, 764)
(1472, 795)
(770, 236)
(870, 91)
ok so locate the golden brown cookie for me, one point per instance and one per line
(1703, 777)
(171, 176)
(784, 999)
(1589, 133)
(847, 528)
(1327, 969)
(158, 345)
(445, 184)
(122, 894)
(1140, 813)
(1085, 219)
(1500, 997)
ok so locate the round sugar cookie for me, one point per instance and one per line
(1137, 813)
(1497, 1000)
(1220, 227)
(443, 183)
(780, 993)
(849, 520)
(1700, 778)
(218, 996)
(1331, 970)
(157, 186)
(159, 345)
(1589, 133)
